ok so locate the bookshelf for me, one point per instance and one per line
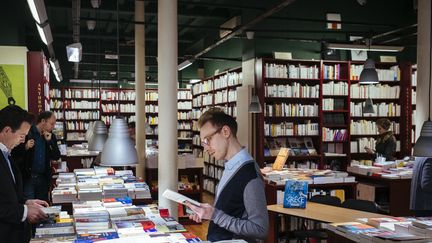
(290, 94)
(387, 99)
(300, 97)
(217, 91)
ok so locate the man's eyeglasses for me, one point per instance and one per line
(206, 140)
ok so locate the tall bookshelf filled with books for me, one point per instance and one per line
(117, 102)
(314, 108)
(335, 115)
(81, 106)
(387, 99)
(216, 91)
(290, 93)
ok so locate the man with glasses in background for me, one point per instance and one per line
(240, 210)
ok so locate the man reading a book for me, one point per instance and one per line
(240, 210)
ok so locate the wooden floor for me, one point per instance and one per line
(200, 230)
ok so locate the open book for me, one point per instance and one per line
(177, 197)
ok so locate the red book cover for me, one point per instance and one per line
(147, 225)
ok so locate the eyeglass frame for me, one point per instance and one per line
(207, 139)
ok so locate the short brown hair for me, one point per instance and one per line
(384, 123)
(218, 118)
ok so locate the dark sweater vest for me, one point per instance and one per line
(230, 201)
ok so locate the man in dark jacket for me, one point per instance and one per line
(421, 187)
(35, 156)
(15, 211)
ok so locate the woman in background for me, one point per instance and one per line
(386, 141)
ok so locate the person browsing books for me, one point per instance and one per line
(16, 212)
(386, 141)
(35, 155)
(240, 210)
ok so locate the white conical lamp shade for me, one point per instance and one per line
(100, 134)
(119, 149)
(423, 146)
(89, 131)
(369, 74)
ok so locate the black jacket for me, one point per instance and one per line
(24, 158)
(12, 205)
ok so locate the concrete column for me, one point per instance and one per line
(423, 63)
(167, 88)
(140, 78)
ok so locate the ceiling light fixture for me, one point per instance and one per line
(37, 9)
(423, 144)
(369, 74)
(255, 105)
(359, 47)
(184, 64)
(74, 52)
(45, 33)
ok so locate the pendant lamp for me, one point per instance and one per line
(119, 149)
(255, 106)
(423, 146)
(99, 136)
(369, 74)
(368, 107)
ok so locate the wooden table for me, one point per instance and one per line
(317, 212)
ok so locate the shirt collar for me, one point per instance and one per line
(4, 149)
(240, 157)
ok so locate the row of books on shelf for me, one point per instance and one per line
(413, 97)
(202, 87)
(129, 108)
(336, 135)
(55, 93)
(295, 146)
(227, 80)
(391, 74)
(380, 109)
(82, 115)
(332, 71)
(77, 125)
(184, 105)
(118, 95)
(58, 114)
(211, 160)
(359, 144)
(335, 88)
(184, 115)
(82, 104)
(151, 109)
(56, 104)
(212, 171)
(184, 125)
(364, 127)
(331, 104)
(81, 93)
(290, 129)
(75, 136)
(378, 91)
(225, 96)
(108, 119)
(290, 110)
(209, 185)
(291, 71)
(295, 90)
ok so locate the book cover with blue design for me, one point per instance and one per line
(295, 195)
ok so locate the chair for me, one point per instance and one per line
(317, 234)
(326, 199)
(362, 205)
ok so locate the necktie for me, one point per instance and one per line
(10, 167)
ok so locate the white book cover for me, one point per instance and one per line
(177, 197)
